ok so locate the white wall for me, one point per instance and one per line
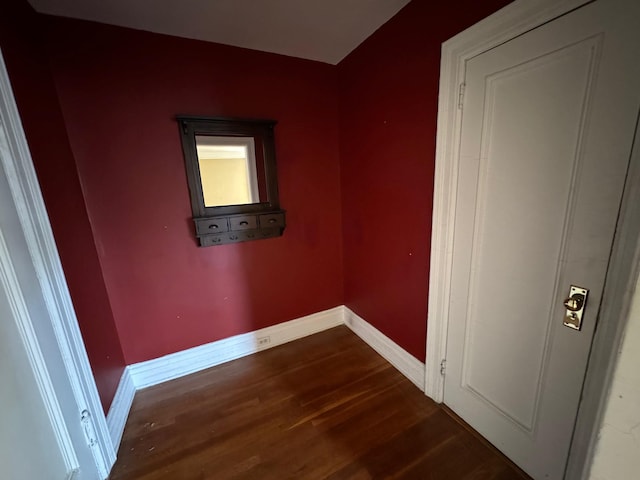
(618, 449)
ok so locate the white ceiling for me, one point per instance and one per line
(323, 30)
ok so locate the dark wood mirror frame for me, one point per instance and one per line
(233, 223)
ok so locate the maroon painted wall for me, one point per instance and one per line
(119, 90)
(355, 148)
(388, 109)
(47, 138)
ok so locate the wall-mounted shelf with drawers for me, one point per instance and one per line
(223, 229)
(239, 171)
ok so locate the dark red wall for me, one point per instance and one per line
(388, 108)
(22, 49)
(355, 148)
(119, 90)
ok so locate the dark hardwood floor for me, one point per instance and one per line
(323, 407)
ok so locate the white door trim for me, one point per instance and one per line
(509, 22)
(18, 306)
(27, 197)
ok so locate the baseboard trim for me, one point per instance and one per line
(159, 370)
(175, 365)
(407, 364)
(120, 407)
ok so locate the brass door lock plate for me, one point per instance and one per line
(575, 307)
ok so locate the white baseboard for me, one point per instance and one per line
(159, 370)
(120, 406)
(407, 364)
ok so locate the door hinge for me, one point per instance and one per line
(88, 429)
(461, 95)
(443, 366)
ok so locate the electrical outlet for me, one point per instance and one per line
(262, 341)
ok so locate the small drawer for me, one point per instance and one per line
(207, 226)
(272, 220)
(243, 222)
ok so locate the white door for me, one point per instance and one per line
(547, 128)
(51, 423)
(31, 444)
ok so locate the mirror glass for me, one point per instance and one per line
(227, 170)
(231, 165)
(230, 171)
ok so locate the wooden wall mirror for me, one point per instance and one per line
(233, 183)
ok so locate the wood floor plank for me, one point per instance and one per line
(323, 407)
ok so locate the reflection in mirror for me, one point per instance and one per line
(227, 170)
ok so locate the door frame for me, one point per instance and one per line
(511, 21)
(29, 204)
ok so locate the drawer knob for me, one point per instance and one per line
(213, 226)
(244, 222)
(272, 220)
